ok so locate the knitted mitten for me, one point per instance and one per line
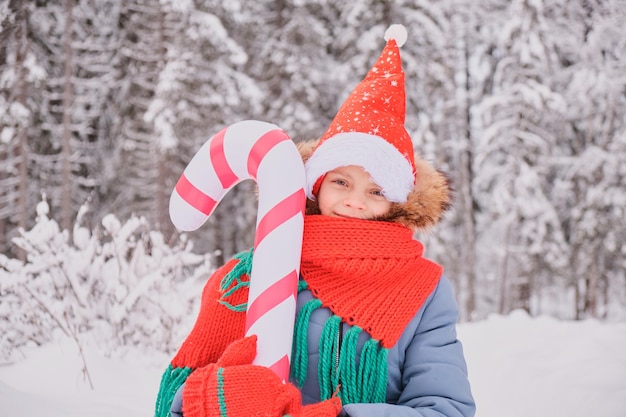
(233, 387)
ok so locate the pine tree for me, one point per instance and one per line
(589, 190)
(96, 43)
(73, 42)
(516, 141)
(288, 44)
(136, 178)
(20, 75)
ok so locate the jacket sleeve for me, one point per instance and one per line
(434, 375)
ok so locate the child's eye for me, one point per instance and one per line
(340, 182)
(378, 193)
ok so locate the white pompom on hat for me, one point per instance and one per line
(369, 131)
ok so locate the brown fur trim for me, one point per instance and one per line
(426, 204)
(306, 148)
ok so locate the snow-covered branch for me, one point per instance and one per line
(120, 280)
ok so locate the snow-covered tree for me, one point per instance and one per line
(288, 47)
(137, 169)
(20, 76)
(96, 43)
(515, 142)
(72, 41)
(440, 39)
(589, 190)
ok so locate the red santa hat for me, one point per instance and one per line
(369, 131)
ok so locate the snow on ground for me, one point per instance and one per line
(519, 367)
(50, 382)
(542, 367)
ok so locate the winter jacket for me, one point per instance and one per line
(427, 373)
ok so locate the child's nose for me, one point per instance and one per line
(355, 201)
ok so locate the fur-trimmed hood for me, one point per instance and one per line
(430, 199)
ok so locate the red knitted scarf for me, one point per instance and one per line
(369, 273)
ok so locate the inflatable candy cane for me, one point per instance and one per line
(263, 152)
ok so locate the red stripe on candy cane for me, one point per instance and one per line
(279, 214)
(261, 147)
(220, 164)
(193, 196)
(281, 367)
(271, 297)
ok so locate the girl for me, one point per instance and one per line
(375, 329)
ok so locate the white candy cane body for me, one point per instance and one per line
(263, 152)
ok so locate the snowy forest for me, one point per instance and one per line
(104, 102)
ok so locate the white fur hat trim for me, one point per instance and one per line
(386, 165)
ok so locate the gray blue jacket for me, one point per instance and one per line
(427, 373)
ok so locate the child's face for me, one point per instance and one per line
(350, 192)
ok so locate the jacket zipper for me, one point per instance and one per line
(339, 340)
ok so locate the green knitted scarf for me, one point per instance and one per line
(359, 378)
